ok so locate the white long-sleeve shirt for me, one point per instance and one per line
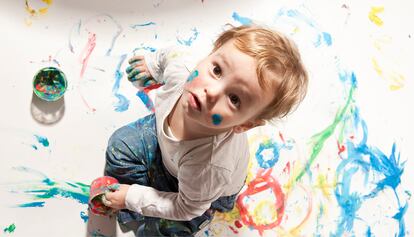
(206, 168)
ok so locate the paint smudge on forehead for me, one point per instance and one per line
(217, 119)
(192, 76)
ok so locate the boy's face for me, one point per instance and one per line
(223, 92)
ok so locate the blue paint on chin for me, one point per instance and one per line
(216, 119)
(193, 75)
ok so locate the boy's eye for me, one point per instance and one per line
(217, 70)
(235, 100)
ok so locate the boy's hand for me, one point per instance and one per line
(116, 199)
(138, 70)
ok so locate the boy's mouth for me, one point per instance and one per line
(195, 102)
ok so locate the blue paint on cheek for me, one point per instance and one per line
(216, 119)
(193, 75)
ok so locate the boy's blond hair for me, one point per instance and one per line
(279, 66)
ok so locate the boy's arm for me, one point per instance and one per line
(158, 66)
(193, 199)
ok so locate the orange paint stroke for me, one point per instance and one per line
(263, 181)
(295, 230)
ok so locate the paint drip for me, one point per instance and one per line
(49, 84)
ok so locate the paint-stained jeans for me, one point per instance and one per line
(134, 157)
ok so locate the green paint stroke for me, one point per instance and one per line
(320, 138)
(10, 228)
(46, 188)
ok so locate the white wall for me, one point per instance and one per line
(359, 57)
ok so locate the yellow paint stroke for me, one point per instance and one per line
(34, 13)
(296, 168)
(229, 217)
(264, 213)
(325, 186)
(373, 15)
(395, 79)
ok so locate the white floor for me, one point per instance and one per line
(50, 152)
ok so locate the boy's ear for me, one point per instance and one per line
(248, 125)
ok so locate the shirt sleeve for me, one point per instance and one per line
(164, 63)
(198, 188)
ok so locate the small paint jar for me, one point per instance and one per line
(99, 187)
(49, 84)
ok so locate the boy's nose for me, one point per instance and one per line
(212, 95)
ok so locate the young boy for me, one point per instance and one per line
(189, 159)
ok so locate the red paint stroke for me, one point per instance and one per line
(281, 137)
(238, 224)
(341, 148)
(234, 230)
(87, 51)
(84, 58)
(144, 96)
(287, 168)
(152, 87)
(262, 182)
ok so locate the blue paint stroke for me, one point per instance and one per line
(147, 48)
(84, 216)
(146, 100)
(192, 76)
(217, 119)
(190, 40)
(242, 20)
(116, 35)
(321, 36)
(327, 38)
(32, 204)
(44, 189)
(123, 103)
(136, 26)
(78, 26)
(372, 162)
(42, 140)
(266, 162)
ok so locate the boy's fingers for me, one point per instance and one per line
(135, 59)
(113, 187)
(105, 200)
(149, 82)
(140, 76)
(137, 70)
(133, 73)
(133, 66)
